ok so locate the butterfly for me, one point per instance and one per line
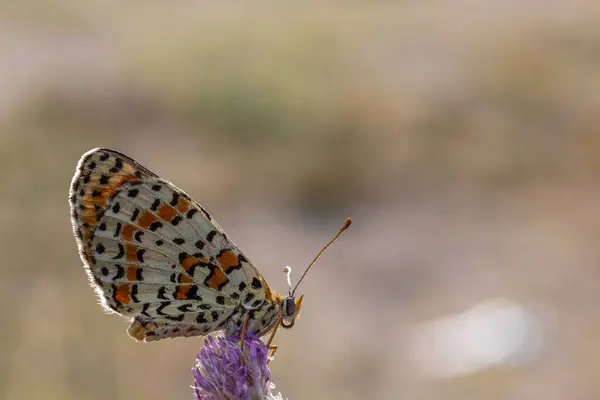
(157, 257)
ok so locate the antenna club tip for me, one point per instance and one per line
(347, 224)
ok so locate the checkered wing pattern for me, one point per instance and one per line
(155, 255)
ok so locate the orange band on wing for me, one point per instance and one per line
(122, 293)
(182, 291)
(88, 219)
(228, 261)
(166, 212)
(217, 279)
(182, 205)
(146, 219)
(132, 273)
(131, 253)
(190, 261)
(127, 233)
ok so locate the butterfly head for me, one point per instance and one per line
(290, 310)
(289, 306)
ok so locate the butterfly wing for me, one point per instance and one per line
(153, 253)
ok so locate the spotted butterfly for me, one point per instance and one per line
(156, 256)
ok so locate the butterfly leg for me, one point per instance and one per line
(273, 332)
(273, 348)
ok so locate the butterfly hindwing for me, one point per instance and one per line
(157, 328)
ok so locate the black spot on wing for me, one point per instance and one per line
(121, 252)
(155, 205)
(248, 297)
(155, 225)
(135, 214)
(140, 255)
(182, 256)
(184, 307)
(162, 306)
(214, 315)
(120, 272)
(145, 309)
(211, 235)
(134, 292)
(201, 319)
(161, 293)
(192, 294)
(117, 230)
(256, 303)
(191, 213)
(118, 165)
(256, 283)
(175, 199)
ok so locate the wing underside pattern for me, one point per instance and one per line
(154, 254)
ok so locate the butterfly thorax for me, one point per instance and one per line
(260, 319)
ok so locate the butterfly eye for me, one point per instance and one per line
(289, 307)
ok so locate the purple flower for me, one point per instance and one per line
(225, 372)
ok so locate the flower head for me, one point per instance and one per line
(224, 371)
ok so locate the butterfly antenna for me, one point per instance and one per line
(346, 226)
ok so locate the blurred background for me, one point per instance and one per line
(462, 138)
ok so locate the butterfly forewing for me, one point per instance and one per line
(154, 254)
